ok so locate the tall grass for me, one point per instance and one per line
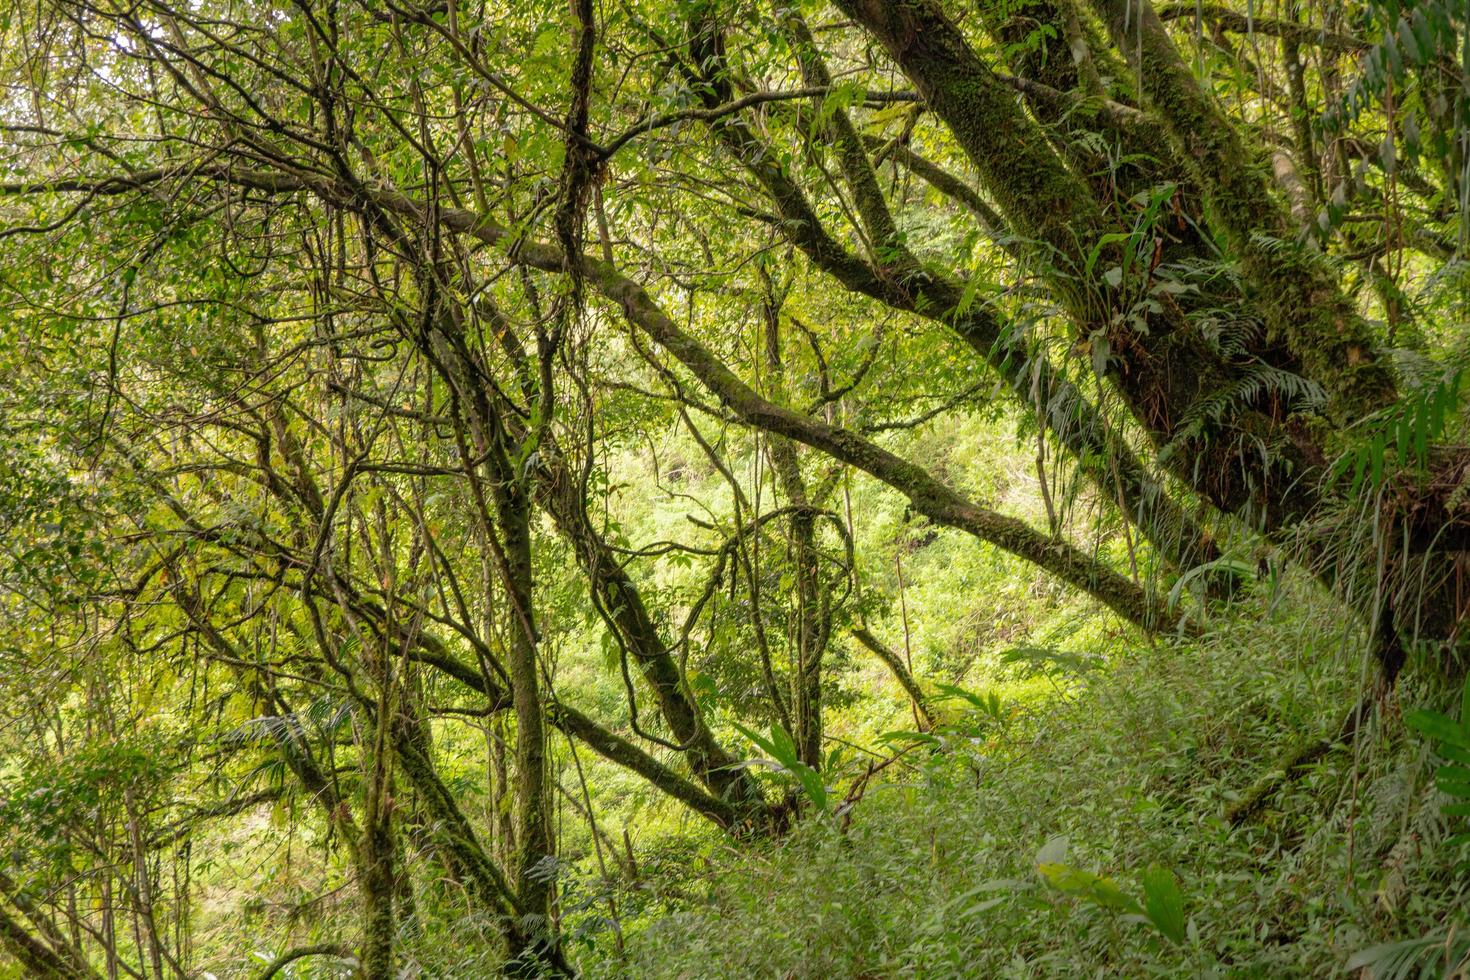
(1135, 766)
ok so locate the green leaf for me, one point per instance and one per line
(1054, 851)
(1455, 754)
(989, 704)
(1088, 887)
(1453, 781)
(1164, 903)
(813, 786)
(781, 747)
(1438, 727)
(1101, 348)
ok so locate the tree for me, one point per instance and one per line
(329, 321)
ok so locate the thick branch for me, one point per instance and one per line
(1238, 23)
(900, 672)
(929, 497)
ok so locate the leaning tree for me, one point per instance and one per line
(337, 304)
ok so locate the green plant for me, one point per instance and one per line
(1406, 428)
(1162, 905)
(1451, 740)
(1442, 953)
(1194, 579)
(781, 747)
(988, 705)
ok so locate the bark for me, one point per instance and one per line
(458, 841)
(946, 183)
(533, 831)
(49, 934)
(506, 534)
(1238, 23)
(857, 169)
(38, 959)
(375, 866)
(1055, 53)
(814, 611)
(1253, 464)
(1303, 304)
(502, 830)
(1138, 168)
(626, 754)
(1301, 120)
(524, 928)
(813, 601)
(560, 495)
(1012, 154)
(299, 953)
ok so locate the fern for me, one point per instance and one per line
(1406, 430)
(1232, 335)
(1258, 381)
(1442, 953)
(1452, 744)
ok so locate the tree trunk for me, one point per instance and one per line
(711, 763)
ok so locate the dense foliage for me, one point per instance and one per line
(733, 488)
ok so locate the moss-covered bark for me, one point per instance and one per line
(34, 956)
(1050, 43)
(711, 762)
(560, 494)
(857, 169)
(928, 495)
(900, 672)
(813, 601)
(1251, 466)
(504, 512)
(610, 746)
(1303, 304)
(376, 885)
(533, 830)
(629, 756)
(1015, 160)
(456, 838)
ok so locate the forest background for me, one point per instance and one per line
(733, 488)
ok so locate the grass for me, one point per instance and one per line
(1135, 765)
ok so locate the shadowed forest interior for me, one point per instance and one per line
(734, 488)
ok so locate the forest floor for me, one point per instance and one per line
(1125, 767)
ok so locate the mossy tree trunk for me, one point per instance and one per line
(502, 488)
(812, 625)
(1301, 300)
(894, 277)
(1164, 371)
(621, 600)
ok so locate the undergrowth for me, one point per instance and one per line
(935, 873)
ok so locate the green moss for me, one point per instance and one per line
(1300, 300)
